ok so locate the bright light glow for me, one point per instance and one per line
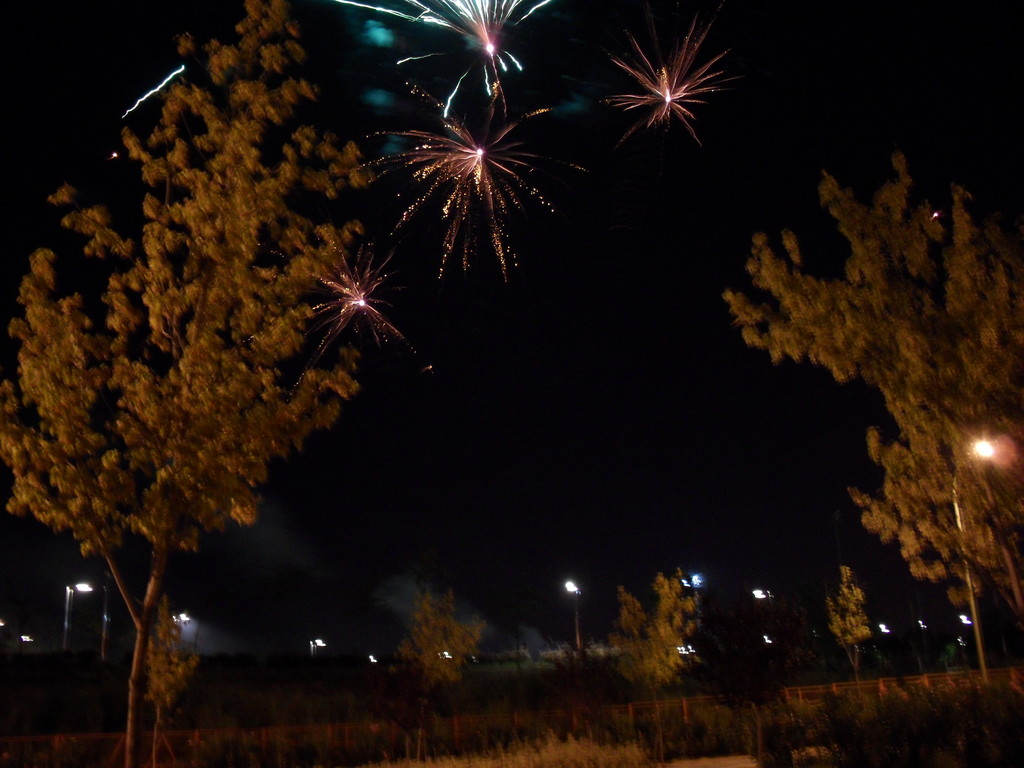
(319, 643)
(965, 619)
(27, 639)
(183, 618)
(373, 659)
(921, 624)
(445, 655)
(761, 594)
(697, 580)
(984, 449)
(884, 629)
(767, 640)
(83, 587)
(570, 586)
(685, 650)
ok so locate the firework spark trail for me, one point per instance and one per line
(669, 87)
(350, 300)
(481, 21)
(145, 96)
(478, 182)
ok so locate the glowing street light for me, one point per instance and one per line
(69, 593)
(571, 587)
(761, 594)
(983, 449)
(884, 629)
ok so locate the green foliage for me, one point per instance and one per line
(169, 668)
(649, 642)
(151, 408)
(969, 727)
(438, 644)
(847, 620)
(929, 313)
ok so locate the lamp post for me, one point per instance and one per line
(983, 449)
(104, 634)
(571, 587)
(69, 594)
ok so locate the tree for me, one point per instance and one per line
(930, 314)
(649, 643)
(437, 647)
(438, 644)
(749, 650)
(150, 413)
(846, 618)
(168, 669)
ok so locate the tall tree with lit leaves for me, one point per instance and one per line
(650, 643)
(151, 410)
(929, 311)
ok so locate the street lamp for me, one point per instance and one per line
(985, 450)
(571, 587)
(69, 593)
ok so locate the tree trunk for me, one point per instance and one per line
(143, 618)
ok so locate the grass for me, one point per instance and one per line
(549, 752)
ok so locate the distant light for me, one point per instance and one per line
(961, 641)
(767, 639)
(83, 587)
(319, 643)
(965, 619)
(571, 587)
(697, 580)
(1, 622)
(27, 639)
(921, 624)
(884, 629)
(761, 594)
(373, 659)
(183, 618)
(685, 650)
(444, 655)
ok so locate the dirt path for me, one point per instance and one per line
(733, 761)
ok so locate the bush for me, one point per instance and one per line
(972, 727)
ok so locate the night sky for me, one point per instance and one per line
(595, 417)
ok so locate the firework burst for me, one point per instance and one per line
(350, 301)
(478, 182)
(668, 87)
(480, 21)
